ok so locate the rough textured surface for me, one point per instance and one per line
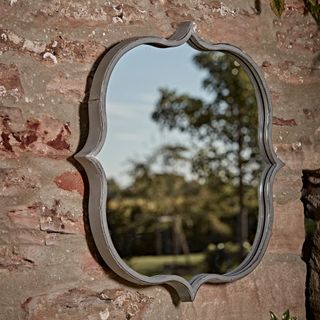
(48, 264)
(107, 304)
(310, 197)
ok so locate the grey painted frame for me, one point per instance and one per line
(186, 290)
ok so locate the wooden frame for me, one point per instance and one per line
(186, 290)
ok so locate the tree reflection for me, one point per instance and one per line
(193, 208)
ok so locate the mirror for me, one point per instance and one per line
(182, 161)
(188, 159)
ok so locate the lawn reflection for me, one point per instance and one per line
(183, 163)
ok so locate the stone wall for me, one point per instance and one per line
(48, 268)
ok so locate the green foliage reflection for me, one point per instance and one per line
(193, 208)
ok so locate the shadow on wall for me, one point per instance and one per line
(310, 197)
(84, 130)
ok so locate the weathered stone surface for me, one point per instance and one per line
(25, 217)
(45, 136)
(310, 197)
(82, 303)
(56, 50)
(10, 82)
(277, 275)
(278, 272)
(13, 181)
(48, 264)
(283, 122)
(91, 266)
(287, 232)
(70, 181)
(288, 72)
(50, 219)
(10, 260)
(71, 89)
(55, 220)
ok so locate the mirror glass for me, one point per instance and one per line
(182, 161)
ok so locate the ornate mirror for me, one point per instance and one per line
(181, 178)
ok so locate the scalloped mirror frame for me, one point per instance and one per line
(87, 157)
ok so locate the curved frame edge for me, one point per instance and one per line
(185, 33)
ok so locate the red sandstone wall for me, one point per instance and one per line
(46, 268)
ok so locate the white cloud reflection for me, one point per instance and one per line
(133, 92)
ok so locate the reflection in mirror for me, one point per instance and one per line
(182, 161)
